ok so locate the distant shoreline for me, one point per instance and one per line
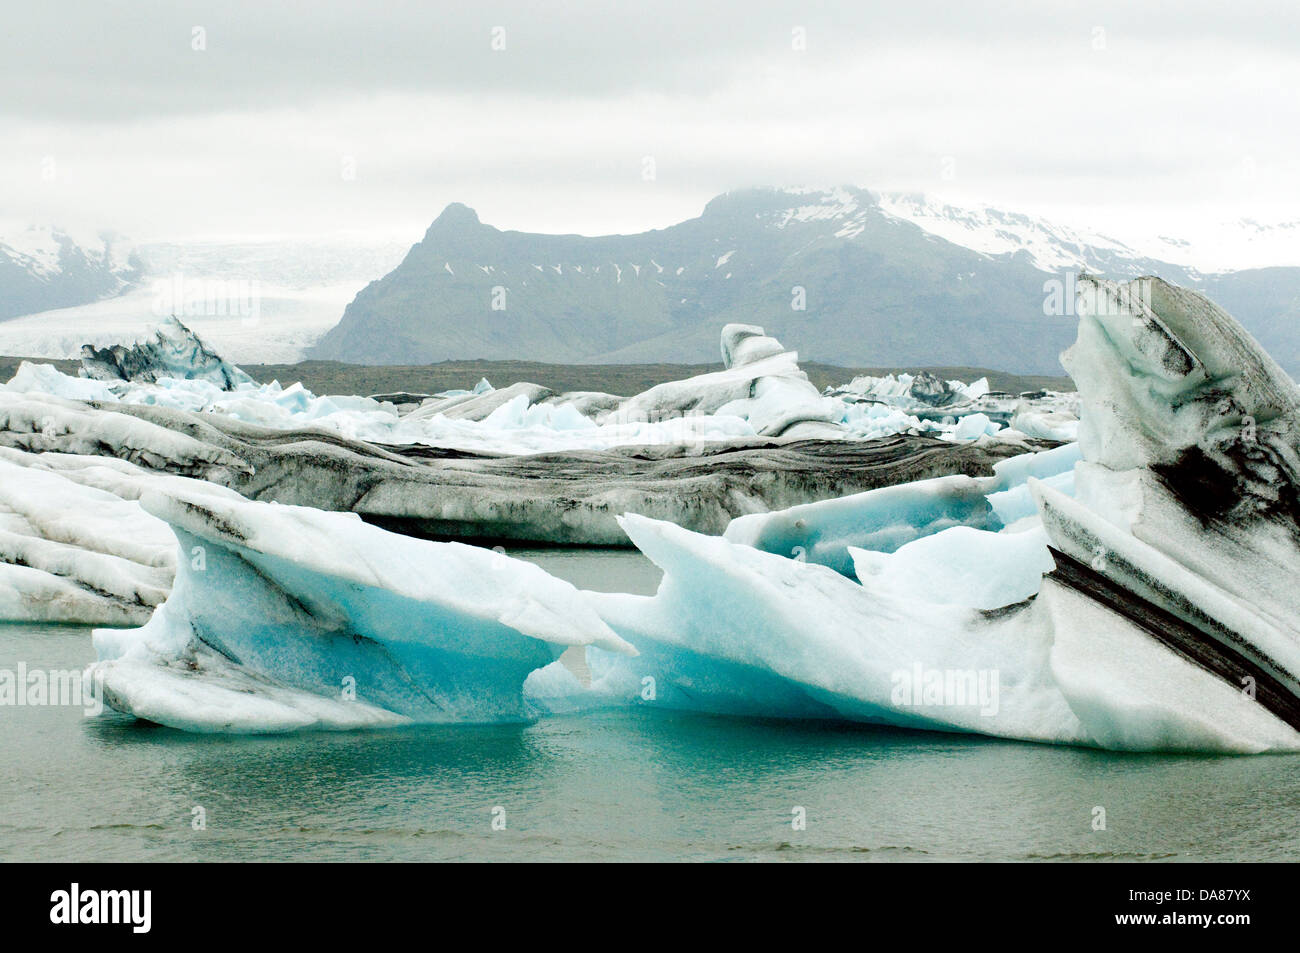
(334, 377)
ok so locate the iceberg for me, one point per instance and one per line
(286, 617)
(1147, 611)
(760, 383)
(569, 497)
(737, 631)
(479, 405)
(174, 352)
(924, 403)
(761, 392)
(75, 545)
(885, 519)
(1185, 523)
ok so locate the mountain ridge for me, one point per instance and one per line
(845, 276)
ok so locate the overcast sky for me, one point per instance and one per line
(298, 118)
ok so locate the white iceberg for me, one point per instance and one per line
(75, 545)
(760, 383)
(737, 631)
(1186, 523)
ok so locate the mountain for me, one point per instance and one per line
(44, 268)
(886, 279)
(1219, 246)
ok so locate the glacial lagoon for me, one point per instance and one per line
(626, 784)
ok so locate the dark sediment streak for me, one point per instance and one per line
(1202, 648)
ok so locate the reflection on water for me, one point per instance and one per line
(636, 784)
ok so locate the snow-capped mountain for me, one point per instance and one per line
(43, 268)
(845, 275)
(1049, 246)
(1052, 246)
(1216, 248)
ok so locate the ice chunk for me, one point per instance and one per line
(301, 601)
(1185, 524)
(38, 423)
(761, 384)
(877, 406)
(930, 390)
(746, 343)
(960, 566)
(737, 631)
(761, 392)
(882, 519)
(75, 546)
(734, 630)
(972, 427)
(174, 352)
(1017, 502)
(47, 379)
(1045, 424)
(887, 518)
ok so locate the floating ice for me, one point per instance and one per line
(1150, 612)
(761, 383)
(1186, 523)
(175, 352)
(75, 545)
(282, 617)
(1046, 424)
(924, 403)
(760, 392)
(737, 631)
(569, 498)
(889, 517)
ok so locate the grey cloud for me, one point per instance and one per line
(99, 60)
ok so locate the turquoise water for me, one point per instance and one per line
(634, 785)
